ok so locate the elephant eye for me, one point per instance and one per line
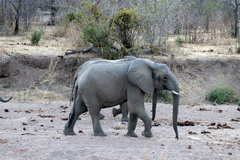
(165, 78)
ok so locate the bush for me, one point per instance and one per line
(163, 95)
(36, 37)
(222, 94)
(126, 20)
(179, 41)
(96, 35)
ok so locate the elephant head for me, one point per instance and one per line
(151, 77)
(2, 100)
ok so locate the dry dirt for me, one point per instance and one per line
(35, 131)
(40, 82)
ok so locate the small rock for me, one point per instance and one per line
(24, 129)
(155, 123)
(24, 123)
(2, 141)
(63, 107)
(189, 147)
(46, 116)
(64, 119)
(6, 110)
(213, 128)
(230, 153)
(238, 109)
(80, 131)
(203, 109)
(190, 132)
(236, 120)
(205, 132)
(186, 123)
(212, 124)
(51, 120)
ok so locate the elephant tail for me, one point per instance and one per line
(72, 113)
(72, 95)
(2, 100)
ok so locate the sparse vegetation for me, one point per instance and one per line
(163, 96)
(221, 94)
(36, 37)
(179, 41)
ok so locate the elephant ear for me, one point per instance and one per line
(140, 73)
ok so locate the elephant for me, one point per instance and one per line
(2, 100)
(123, 107)
(106, 83)
(122, 110)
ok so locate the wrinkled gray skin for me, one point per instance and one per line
(114, 82)
(2, 100)
(123, 107)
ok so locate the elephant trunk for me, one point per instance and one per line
(2, 100)
(154, 103)
(175, 111)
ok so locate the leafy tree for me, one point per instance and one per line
(157, 18)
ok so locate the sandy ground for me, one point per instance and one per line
(35, 131)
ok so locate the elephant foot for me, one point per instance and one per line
(101, 116)
(115, 112)
(147, 134)
(131, 134)
(124, 119)
(69, 132)
(78, 118)
(102, 134)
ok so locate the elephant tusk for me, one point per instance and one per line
(174, 92)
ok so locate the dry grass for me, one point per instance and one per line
(119, 126)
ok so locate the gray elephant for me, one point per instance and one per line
(115, 82)
(2, 100)
(123, 107)
(122, 110)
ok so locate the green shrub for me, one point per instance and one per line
(163, 96)
(126, 20)
(222, 94)
(36, 37)
(99, 36)
(179, 41)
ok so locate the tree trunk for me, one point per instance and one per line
(236, 21)
(53, 9)
(16, 28)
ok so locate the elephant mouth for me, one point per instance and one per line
(174, 92)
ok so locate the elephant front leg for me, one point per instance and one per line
(97, 129)
(132, 125)
(142, 114)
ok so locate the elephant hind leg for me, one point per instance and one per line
(97, 129)
(78, 108)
